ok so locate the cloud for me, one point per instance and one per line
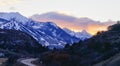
(8, 2)
(73, 23)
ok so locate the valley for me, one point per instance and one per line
(25, 42)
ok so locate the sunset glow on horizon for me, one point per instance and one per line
(98, 10)
(92, 29)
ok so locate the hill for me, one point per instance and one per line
(18, 42)
(100, 47)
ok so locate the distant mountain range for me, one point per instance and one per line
(81, 35)
(46, 33)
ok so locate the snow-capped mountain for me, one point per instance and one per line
(13, 15)
(81, 35)
(46, 33)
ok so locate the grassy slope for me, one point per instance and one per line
(113, 61)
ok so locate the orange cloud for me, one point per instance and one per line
(73, 23)
(92, 29)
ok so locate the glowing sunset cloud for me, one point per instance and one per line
(93, 29)
(73, 23)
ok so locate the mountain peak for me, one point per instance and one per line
(10, 14)
(13, 15)
(53, 24)
(84, 31)
(82, 35)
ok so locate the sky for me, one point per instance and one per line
(101, 10)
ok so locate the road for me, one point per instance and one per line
(28, 61)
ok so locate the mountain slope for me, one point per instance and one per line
(19, 42)
(113, 61)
